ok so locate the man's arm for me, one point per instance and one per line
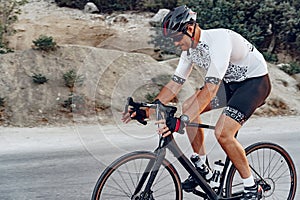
(201, 99)
(169, 91)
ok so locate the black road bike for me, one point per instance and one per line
(144, 175)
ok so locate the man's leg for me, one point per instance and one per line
(195, 135)
(226, 129)
(196, 138)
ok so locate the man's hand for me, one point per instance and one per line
(137, 114)
(172, 124)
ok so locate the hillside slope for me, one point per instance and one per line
(109, 75)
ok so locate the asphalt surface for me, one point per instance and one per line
(65, 162)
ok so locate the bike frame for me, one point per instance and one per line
(169, 143)
(143, 190)
(208, 192)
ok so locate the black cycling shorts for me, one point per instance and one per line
(242, 98)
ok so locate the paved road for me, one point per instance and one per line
(64, 163)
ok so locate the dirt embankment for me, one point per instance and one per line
(113, 55)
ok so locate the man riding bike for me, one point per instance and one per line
(236, 78)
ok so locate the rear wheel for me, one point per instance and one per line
(272, 168)
(127, 177)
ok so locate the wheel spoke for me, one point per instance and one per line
(271, 163)
(124, 176)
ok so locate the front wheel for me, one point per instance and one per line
(127, 177)
(272, 168)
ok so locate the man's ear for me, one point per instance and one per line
(190, 28)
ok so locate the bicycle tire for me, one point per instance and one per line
(274, 165)
(120, 178)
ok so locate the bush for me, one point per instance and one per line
(9, 11)
(150, 97)
(155, 5)
(2, 102)
(120, 5)
(291, 68)
(72, 3)
(270, 57)
(272, 26)
(74, 103)
(39, 78)
(71, 79)
(45, 43)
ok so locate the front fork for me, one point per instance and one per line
(152, 168)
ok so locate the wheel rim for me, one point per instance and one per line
(273, 165)
(122, 181)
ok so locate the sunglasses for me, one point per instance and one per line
(177, 38)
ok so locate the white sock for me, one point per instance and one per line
(200, 162)
(203, 158)
(249, 182)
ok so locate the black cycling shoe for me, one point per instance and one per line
(252, 193)
(190, 183)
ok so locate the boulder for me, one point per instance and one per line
(158, 17)
(90, 8)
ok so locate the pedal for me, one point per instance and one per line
(189, 190)
(200, 194)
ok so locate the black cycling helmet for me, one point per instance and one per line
(176, 20)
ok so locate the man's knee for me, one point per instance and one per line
(226, 129)
(223, 137)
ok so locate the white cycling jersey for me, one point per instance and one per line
(225, 55)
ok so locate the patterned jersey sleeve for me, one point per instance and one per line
(183, 69)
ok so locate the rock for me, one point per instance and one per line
(297, 77)
(285, 95)
(120, 19)
(158, 17)
(90, 8)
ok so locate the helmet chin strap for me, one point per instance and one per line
(193, 35)
(192, 38)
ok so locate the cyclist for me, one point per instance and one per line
(236, 78)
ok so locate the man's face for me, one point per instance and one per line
(182, 40)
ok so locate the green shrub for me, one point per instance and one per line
(2, 102)
(120, 5)
(291, 68)
(72, 3)
(39, 78)
(71, 79)
(270, 57)
(74, 103)
(155, 5)
(9, 11)
(45, 43)
(158, 82)
(4, 49)
(150, 97)
(271, 26)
